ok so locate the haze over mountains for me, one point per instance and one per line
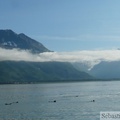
(106, 70)
(58, 66)
(23, 61)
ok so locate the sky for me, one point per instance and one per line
(65, 25)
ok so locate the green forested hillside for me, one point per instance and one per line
(32, 72)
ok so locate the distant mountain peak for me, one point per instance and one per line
(10, 40)
(7, 31)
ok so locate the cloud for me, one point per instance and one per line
(87, 57)
(15, 55)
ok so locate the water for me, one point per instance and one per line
(73, 100)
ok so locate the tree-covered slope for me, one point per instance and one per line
(27, 72)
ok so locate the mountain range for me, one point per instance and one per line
(10, 40)
(32, 72)
(35, 72)
(105, 70)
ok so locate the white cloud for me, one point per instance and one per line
(87, 57)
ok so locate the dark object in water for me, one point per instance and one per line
(53, 101)
(93, 101)
(11, 103)
(8, 103)
(15, 102)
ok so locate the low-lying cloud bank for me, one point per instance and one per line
(87, 57)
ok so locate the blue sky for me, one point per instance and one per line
(65, 25)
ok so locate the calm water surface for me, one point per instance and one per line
(73, 100)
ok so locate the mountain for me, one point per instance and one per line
(10, 40)
(103, 70)
(82, 66)
(106, 70)
(34, 72)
